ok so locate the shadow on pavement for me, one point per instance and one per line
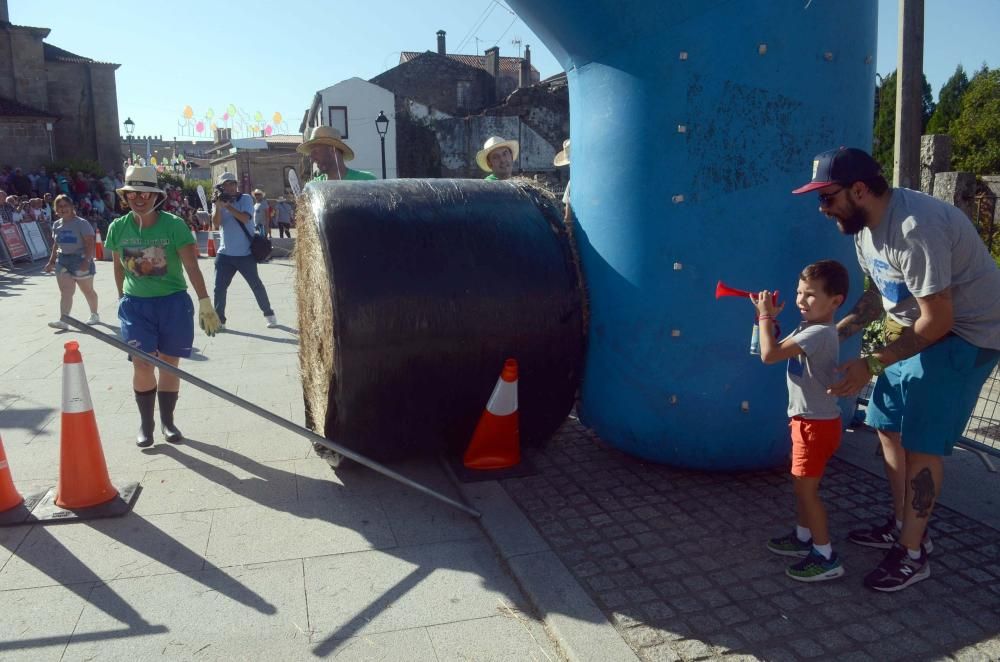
(257, 336)
(676, 560)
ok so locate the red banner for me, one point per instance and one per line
(13, 241)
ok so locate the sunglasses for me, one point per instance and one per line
(138, 194)
(826, 199)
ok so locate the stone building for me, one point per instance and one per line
(54, 104)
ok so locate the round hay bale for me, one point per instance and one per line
(412, 293)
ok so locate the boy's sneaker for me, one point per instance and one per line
(897, 570)
(790, 545)
(884, 537)
(272, 321)
(59, 324)
(94, 319)
(816, 568)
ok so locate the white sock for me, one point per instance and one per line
(914, 553)
(899, 525)
(802, 533)
(826, 550)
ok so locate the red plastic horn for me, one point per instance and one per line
(723, 290)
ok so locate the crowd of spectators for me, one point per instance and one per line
(28, 195)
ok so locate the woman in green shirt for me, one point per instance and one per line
(152, 250)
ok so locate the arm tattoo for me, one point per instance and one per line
(923, 493)
(910, 343)
(866, 310)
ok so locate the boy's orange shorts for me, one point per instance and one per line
(813, 444)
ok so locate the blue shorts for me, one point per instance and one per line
(158, 324)
(928, 398)
(69, 264)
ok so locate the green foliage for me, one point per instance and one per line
(949, 104)
(885, 120)
(74, 166)
(976, 131)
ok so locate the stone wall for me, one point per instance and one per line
(433, 80)
(24, 142)
(957, 188)
(22, 77)
(87, 102)
(935, 157)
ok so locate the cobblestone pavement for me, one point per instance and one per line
(677, 562)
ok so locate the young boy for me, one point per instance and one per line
(812, 351)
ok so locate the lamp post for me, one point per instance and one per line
(382, 126)
(129, 128)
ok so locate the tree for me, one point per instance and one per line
(976, 131)
(885, 120)
(949, 102)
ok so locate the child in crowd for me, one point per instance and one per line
(812, 352)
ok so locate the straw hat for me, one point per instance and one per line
(141, 178)
(494, 143)
(326, 135)
(562, 158)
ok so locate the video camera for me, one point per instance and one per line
(221, 196)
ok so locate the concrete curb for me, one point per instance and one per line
(578, 625)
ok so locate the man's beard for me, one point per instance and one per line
(854, 222)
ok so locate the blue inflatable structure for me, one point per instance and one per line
(691, 123)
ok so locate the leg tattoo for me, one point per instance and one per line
(923, 492)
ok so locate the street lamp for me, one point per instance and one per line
(382, 126)
(129, 128)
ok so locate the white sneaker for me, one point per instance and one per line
(272, 321)
(94, 319)
(59, 324)
(222, 327)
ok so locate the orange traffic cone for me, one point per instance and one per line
(496, 443)
(211, 245)
(83, 475)
(98, 247)
(9, 497)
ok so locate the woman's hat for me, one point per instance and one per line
(142, 179)
(562, 158)
(494, 143)
(326, 135)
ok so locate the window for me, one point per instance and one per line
(338, 119)
(463, 92)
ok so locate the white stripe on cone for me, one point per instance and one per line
(503, 402)
(75, 394)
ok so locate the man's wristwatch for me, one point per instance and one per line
(875, 367)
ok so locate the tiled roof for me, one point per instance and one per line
(56, 54)
(508, 65)
(283, 139)
(11, 108)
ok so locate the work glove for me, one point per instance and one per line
(208, 319)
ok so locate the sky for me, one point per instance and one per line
(254, 58)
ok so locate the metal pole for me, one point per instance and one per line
(382, 138)
(263, 413)
(131, 155)
(909, 95)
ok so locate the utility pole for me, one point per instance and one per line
(909, 94)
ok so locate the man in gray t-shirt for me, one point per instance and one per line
(932, 274)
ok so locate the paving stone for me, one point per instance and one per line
(860, 632)
(660, 653)
(806, 648)
(642, 637)
(693, 649)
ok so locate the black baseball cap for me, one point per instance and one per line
(841, 166)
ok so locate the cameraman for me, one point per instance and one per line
(231, 210)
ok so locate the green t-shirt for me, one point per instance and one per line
(349, 175)
(152, 266)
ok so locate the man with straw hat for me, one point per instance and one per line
(330, 155)
(152, 251)
(497, 158)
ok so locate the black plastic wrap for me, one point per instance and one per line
(434, 283)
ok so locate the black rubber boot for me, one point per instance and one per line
(147, 403)
(168, 400)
